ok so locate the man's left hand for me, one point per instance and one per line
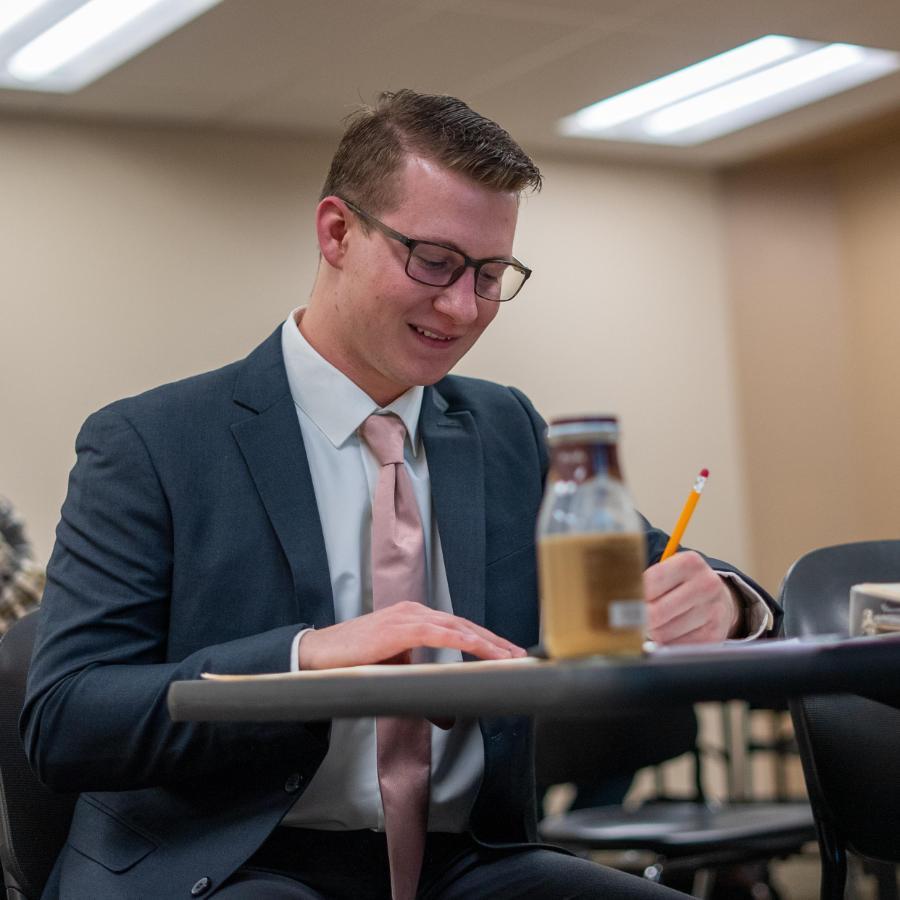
(688, 603)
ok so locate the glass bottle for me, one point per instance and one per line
(591, 545)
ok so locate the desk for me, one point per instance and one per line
(762, 672)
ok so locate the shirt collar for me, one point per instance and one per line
(334, 404)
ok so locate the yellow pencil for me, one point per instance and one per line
(686, 514)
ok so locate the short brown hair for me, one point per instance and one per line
(434, 126)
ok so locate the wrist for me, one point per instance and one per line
(303, 650)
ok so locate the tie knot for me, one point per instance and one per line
(384, 435)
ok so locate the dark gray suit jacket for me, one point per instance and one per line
(190, 541)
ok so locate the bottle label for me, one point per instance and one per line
(626, 614)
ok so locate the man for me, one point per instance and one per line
(223, 524)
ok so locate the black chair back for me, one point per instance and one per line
(34, 821)
(850, 745)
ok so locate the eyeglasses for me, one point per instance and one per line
(497, 279)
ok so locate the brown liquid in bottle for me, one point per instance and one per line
(591, 566)
(592, 594)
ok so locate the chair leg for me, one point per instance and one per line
(834, 866)
(704, 882)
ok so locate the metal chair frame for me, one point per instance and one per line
(815, 595)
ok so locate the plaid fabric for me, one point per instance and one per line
(21, 578)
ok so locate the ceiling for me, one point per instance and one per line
(298, 66)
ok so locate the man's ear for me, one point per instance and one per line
(331, 230)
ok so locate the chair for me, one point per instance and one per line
(687, 836)
(849, 745)
(34, 821)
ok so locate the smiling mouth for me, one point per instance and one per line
(431, 335)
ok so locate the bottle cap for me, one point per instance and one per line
(603, 428)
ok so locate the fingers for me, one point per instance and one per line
(663, 577)
(418, 626)
(389, 634)
(481, 636)
(695, 626)
(687, 602)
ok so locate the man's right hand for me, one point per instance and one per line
(393, 632)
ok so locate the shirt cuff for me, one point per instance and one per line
(295, 649)
(758, 618)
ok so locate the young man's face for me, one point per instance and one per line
(390, 332)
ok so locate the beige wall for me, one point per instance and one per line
(132, 257)
(135, 256)
(792, 361)
(868, 190)
(814, 254)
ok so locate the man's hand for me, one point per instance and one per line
(391, 633)
(688, 603)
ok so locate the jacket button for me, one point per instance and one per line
(201, 886)
(294, 780)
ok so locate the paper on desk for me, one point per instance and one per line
(485, 665)
(784, 645)
(385, 670)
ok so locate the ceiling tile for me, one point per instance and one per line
(448, 53)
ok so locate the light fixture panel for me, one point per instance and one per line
(64, 45)
(756, 81)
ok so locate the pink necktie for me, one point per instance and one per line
(398, 573)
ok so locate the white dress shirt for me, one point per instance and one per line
(344, 793)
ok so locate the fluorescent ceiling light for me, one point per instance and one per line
(753, 88)
(14, 11)
(755, 81)
(66, 44)
(71, 37)
(685, 82)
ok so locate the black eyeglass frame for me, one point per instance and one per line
(412, 243)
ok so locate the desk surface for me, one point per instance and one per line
(760, 672)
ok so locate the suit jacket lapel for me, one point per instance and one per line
(456, 470)
(272, 446)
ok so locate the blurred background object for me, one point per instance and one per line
(21, 578)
